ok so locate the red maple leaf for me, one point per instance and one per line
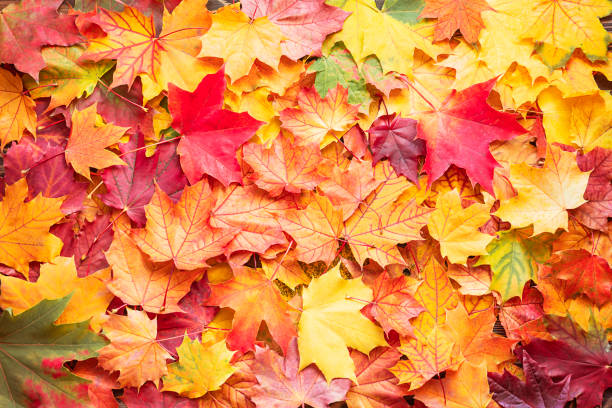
(596, 212)
(583, 355)
(171, 327)
(27, 26)
(394, 138)
(210, 135)
(459, 132)
(585, 273)
(538, 390)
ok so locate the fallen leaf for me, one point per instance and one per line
(329, 321)
(210, 135)
(282, 384)
(199, 368)
(133, 350)
(88, 141)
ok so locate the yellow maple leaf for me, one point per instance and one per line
(133, 349)
(369, 30)
(560, 26)
(545, 194)
(331, 322)
(456, 228)
(584, 121)
(24, 230)
(240, 40)
(90, 298)
(201, 367)
(500, 42)
(88, 141)
(431, 350)
(16, 109)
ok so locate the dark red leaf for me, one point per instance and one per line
(394, 138)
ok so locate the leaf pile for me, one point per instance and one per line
(287, 203)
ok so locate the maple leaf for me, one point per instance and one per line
(305, 24)
(584, 355)
(384, 219)
(231, 29)
(133, 350)
(329, 322)
(16, 109)
(581, 121)
(250, 211)
(234, 391)
(456, 228)
(376, 386)
(35, 350)
(254, 299)
(475, 338)
(285, 268)
(168, 57)
(369, 30)
(339, 68)
(192, 319)
(430, 351)
(85, 242)
(150, 397)
(131, 187)
(210, 135)
(473, 280)
(393, 303)
(463, 15)
(315, 230)
(157, 287)
(459, 132)
(513, 258)
(65, 77)
(595, 212)
(394, 138)
(29, 25)
(284, 168)
(24, 231)
(282, 384)
(317, 120)
(189, 243)
(559, 27)
(538, 390)
(87, 142)
(200, 368)
(57, 279)
(347, 188)
(466, 387)
(545, 194)
(585, 273)
(100, 389)
(44, 167)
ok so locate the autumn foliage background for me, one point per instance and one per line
(287, 203)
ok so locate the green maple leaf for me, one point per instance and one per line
(32, 353)
(513, 259)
